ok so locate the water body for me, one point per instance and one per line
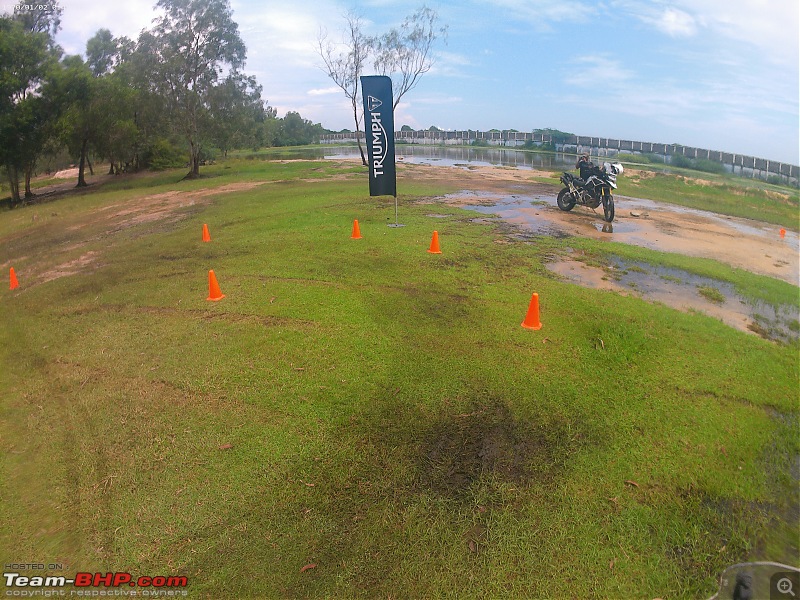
(448, 156)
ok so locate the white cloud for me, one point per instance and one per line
(435, 99)
(539, 13)
(451, 64)
(82, 18)
(325, 91)
(594, 71)
(771, 28)
(676, 23)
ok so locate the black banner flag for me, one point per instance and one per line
(379, 128)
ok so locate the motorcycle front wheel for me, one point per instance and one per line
(565, 200)
(608, 208)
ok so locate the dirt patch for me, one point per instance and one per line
(71, 173)
(69, 268)
(157, 207)
(586, 275)
(489, 443)
(164, 208)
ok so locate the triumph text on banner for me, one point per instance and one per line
(379, 128)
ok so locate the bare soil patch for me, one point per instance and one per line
(77, 234)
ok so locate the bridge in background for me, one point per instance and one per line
(746, 166)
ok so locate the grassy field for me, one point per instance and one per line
(363, 419)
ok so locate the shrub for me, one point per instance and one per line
(163, 154)
(699, 164)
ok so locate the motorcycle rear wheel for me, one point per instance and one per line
(565, 200)
(608, 208)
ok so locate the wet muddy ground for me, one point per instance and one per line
(741, 243)
(750, 245)
(685, 291)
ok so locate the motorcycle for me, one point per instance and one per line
(593, 191)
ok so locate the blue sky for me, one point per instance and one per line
(718, 74)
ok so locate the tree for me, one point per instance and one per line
(344, 64)
(27, 55)
(80, 123)
(405, 54)
(236, 111)
(40, 18)
(112, 106)
(115, 110)
(150, 116)
(102, 52)
(296, 131)
(192, 45)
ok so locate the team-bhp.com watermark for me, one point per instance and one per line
(90, 585)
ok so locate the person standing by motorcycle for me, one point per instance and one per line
(585, 166)
(586, 169)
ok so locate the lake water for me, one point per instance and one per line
(454, 156)
(446, 156)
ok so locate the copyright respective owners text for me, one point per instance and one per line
(48, 580)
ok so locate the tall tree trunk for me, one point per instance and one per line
(82, 164)
(13, 181)
(28, 173)
(358, 139)
(194, 161)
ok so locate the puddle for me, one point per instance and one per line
(741, 243)
(686, 292)
(509, 208)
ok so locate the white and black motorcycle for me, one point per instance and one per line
(592, 191)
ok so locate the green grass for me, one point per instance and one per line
(711, 294)
(370, 408)
(725, 195)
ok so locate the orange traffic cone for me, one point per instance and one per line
(206, 236)
(782, 232)
(356, 231)
(434, 249)
(532, 318)
(214, 293)
(14, 284)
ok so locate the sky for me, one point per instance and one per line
(716, 74)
